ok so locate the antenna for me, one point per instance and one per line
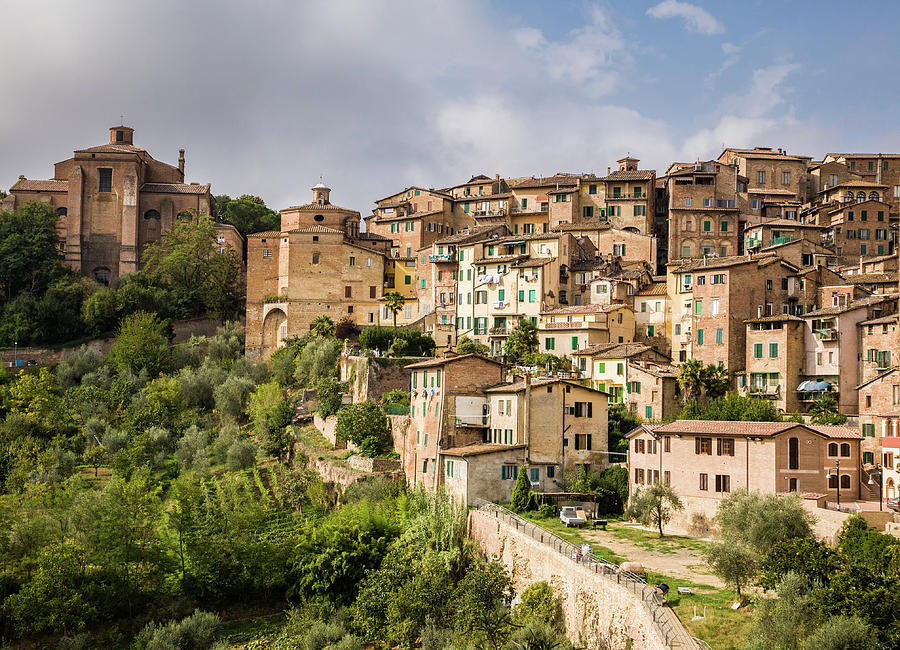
(122, 120)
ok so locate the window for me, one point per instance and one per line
(845, 450)
(348, 291)
(723, 483)
(707, 226)
(704, 481)
(868, 458)
(582, 441)
(588, 211)
(551, 471)
(267, 252)
(785, 178)
(723, 226)
(832, 449)
(794, 453)
(703, 446)
(845, 481)
(699, 337)
(648, 412)
(760, 178)
(773, 350)
(667, 444)
(105, 180)
(583, 409)
(531, 295)
(650, 330)
(550, 343)
(755, 204)
(725, 446)
(719, 335)
(667, 477)
(714, 307)
(698, 307)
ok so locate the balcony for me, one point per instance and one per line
(499, 331)
(827, 335)
(574, 325)
(781, 240)
(445, 257)
(477, 421)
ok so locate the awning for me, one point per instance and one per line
(813, 386)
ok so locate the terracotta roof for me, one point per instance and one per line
(751, 429)
(664, 370)
(856, 184)
(545, 181)
(765, 154)
(373, 236)
(854, 304)
(112, 148)
(792, 223)
(565, 227)
(585, 309)
(401, 217)
(776, 318)
(473, 234)
(440, 361)
(631, 175)
(320, 207)
(516, 386)
(479, 448)
(530, 263)
(655, 289)
(877, 378)
(174, 188)
(317, 228)
(499, 258)
(614, 350)
(51, 185)
(880, 321)
(871, 278)
(722, 262)
(266, 233)
(771, 191)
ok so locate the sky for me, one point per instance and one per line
(374, 96)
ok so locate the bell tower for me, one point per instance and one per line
(321, 193)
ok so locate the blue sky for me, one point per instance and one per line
(377, 95)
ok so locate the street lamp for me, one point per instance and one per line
(836, 472)
(15, 354)
(871, 482)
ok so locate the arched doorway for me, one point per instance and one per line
(274, 330)
(102, 275)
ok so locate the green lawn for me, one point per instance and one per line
(651, 541)
(571, 535)
(313, 438)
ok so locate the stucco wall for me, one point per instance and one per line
(595, 608)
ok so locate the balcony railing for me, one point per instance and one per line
(827, 335)
(499, 331)
(473, 420)
(565, 325)
(781, 240)
(445, 257)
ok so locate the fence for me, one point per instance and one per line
(669, 626)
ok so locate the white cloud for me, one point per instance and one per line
(696, 19)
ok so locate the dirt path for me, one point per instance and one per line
(679, 557)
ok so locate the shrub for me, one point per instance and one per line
(538, 603)
(346, 329)
(357, 422)
(521, 493)
(328, 395)
(319, 358)
(191, 451)
(196, 632)
(396, 398)
(547, 510)
(78, 364)
(241, 454)
(231, 396)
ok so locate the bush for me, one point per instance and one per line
(231, 396)
(319, 358)
(538, 603)
(346, 329)
(241, 454)
(192, 452)
(396, 398)
(547, 510)
(196, 632)
(358, 422)
(78, 364)
(328, 396)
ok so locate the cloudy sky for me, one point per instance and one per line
(377, 95)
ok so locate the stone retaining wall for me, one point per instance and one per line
(363, 464)
(597, 611)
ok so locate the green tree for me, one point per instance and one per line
(328, 395)
(465, 345)
(538, 602)
(654, 505)
(270, 413)
(732, 406)
(734, 562)
(784, 623)
(621, 421)
(521, 493)
(141, 344)
(247, 213)
(841, 633)
(394, 301)
(522, 342)
(805, 556)
(825, 411)
(323, 326)
(29, 252)
(363, 422)
(187, 261)
(95, 456)
(762, 520)
(716, 380)
(690, 378)
(317, 359)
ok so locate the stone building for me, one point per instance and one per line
(318, 264)
(547, 426)
(111, 201)
(705, 200)
(711, 459)
(774, 360)
(773, 178)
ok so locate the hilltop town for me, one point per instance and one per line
(721, 326)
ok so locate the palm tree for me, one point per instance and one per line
(323, 326)
(394, 301)
(716, 380)
(690, 377)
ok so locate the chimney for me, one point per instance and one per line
(608, 170)
(181, 162)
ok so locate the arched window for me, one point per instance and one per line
(319, 217)
(848, 196)
(845, 481)
(889, 489)
(832, 449)
(62, 212)
(102, 275)
(794, 453)
(151, 214)
(832, 481)
(845, 450)
(860, 197)
(873, 196)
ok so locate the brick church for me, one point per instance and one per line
(112, 200)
